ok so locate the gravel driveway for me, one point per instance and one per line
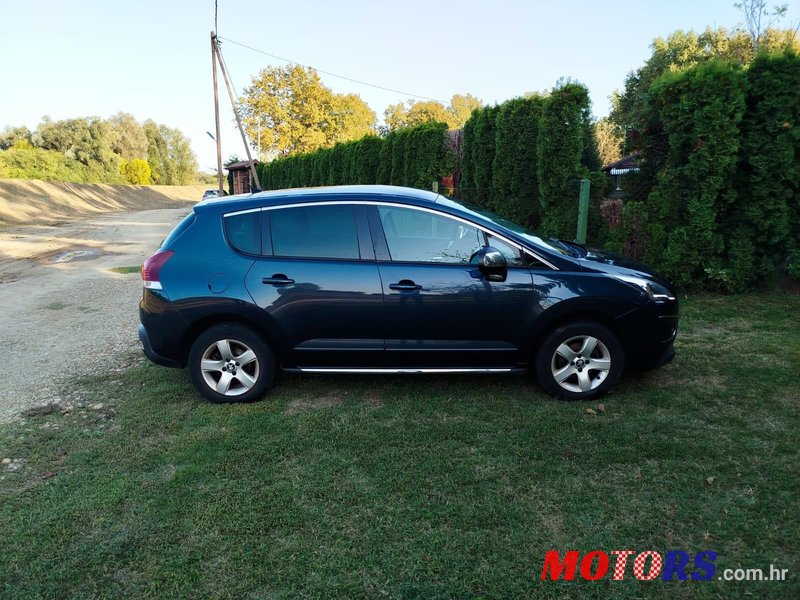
(63, 312)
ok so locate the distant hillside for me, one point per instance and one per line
(30, 202)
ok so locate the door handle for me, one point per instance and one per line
(405, 285)
(277, 279)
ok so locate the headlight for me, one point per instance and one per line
(655, 290)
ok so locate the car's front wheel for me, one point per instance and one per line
(230, 363)
(580, 361)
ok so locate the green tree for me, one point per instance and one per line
(767, 211)
(699, 111)
(129, 139)
(10, 135)
(135, 171)
(681, 50)
(296, 112)
(483, 151)
(560, 151)
(515, 183)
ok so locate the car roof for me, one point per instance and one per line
(376, 193)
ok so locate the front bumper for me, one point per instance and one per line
(648, 334)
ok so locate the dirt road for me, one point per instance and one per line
(63, 312)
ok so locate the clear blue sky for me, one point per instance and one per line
(152, 58)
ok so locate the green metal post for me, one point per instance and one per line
(583, 211)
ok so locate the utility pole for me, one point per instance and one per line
(236, 111)
(216, 112)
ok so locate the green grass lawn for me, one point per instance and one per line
(416, 486)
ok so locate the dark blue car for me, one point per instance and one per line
(374, 279)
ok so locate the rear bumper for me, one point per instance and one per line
(150, 353)
(162, 330)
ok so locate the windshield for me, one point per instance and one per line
(524, 232)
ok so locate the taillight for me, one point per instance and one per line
(151, 269)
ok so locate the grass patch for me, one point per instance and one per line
(414, 487)
(126, 270)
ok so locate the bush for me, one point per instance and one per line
(23, 161)
(135, 172)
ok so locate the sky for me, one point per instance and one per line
(152, 58)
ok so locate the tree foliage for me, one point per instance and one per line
(289, 110)
(767, 211)
(699, 111)
(609, 141)
(412, 113)
(92, 149)
(682, 50)
(561, 155)
(515, 182)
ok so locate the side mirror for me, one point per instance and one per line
(491, 262)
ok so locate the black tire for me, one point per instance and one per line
(238, 367)
(579, 380)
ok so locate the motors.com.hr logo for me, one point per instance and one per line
(675, 565)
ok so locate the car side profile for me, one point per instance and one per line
(380, 279)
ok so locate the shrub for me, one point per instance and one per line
(135, 172)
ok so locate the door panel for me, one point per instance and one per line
(456, 318)
(329, 312)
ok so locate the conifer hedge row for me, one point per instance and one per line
(412, 157)
(721, 175)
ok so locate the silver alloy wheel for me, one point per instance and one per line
(229, 367)
(581, 363)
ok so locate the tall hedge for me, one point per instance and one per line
(483, 155)
(414, 157)
(466, 188)
(700, 110)
(768, 206)
(560, 152)
(515, 181)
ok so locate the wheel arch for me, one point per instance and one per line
(204, 323)
(567, 312)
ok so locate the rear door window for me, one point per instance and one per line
(324, 231)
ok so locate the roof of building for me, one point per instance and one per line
(241, 165)
(626, 164)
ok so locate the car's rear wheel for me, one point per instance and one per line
(230, 363)
(580, 361)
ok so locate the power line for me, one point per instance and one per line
(372, 85)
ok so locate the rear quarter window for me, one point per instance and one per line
(243, 232)
(179, 229)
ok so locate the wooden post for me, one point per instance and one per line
(238, 117)
(583, 211)
(216, 113)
